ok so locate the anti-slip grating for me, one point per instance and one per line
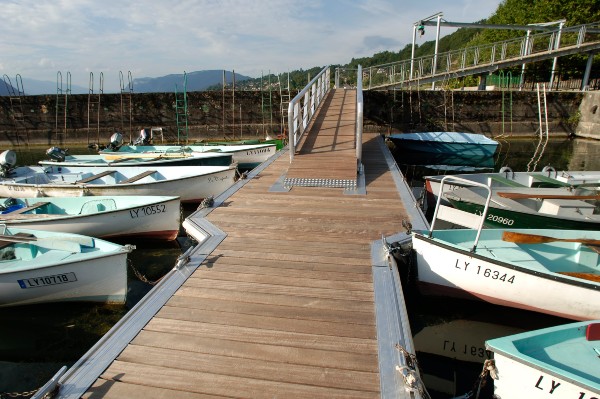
(330, 183)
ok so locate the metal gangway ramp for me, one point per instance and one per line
(326, 154)
(487, 58)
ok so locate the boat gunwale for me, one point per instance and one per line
(502, 345)
(550, 275)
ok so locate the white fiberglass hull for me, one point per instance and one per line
(518, 380)
(157, 219)
(57, 268)
(190, 188)
(443, 269)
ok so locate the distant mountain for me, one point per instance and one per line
(36, 87)
(196, 81)
(4, 89)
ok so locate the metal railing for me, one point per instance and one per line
(359, 117)
(303, 107)
(451, 63)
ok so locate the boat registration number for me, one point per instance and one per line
(43, 281)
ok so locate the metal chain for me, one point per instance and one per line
(140, 276)
(28, 394)
(414, 370)
(4, 395)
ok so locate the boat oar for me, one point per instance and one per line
(64, 243)
(523, 238)
(505, 194)
(48, 243)
(584, 276)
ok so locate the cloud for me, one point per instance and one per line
(153, 38)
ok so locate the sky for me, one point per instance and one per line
(153, 38)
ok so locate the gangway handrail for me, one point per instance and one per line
(303, 107)
(491, 55)
(359, 117)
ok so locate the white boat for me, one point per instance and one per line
(548, 271)
(60, 157)
(555, 362)
(544, 208)
(117, 217)
(454, 143)
(190, 183)
(246, 156)
(41, 266)
(548, 177)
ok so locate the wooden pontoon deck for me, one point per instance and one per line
(284, 306)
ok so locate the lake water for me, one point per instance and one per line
(37, 340)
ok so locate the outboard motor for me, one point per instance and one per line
(8, 161)
(145, 137)
(57, 154)
(116, 141)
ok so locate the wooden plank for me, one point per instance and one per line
(284, 280)
(281, 289)
(364, 349)
(268, 322)
(113, 389)
(274, 299)
(240, 265)
(274, 310)
(138, 177)
(215, 384)
(96, 176)
(356, 273)
(267, 365)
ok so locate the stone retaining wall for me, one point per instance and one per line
(251, 114)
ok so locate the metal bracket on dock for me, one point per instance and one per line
(393, 326)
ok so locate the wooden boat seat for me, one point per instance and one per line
(26, 209)
(138, 177)
(96, 176)
(502, 181)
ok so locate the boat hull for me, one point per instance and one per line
(496, 179)
(245, 156)
(559, 361)
(465, 144)
(45, 271)
(209, 159)
(445, 269)
(517, 380)
(504, 217)
(156, 219)
(191, 188)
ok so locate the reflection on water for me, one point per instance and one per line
(450, 334)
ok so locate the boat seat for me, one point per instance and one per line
(545, 181)
(138, 177)
(496, 180)
(96, 176)
(566, 207)
(28, 208)
(94, 206)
